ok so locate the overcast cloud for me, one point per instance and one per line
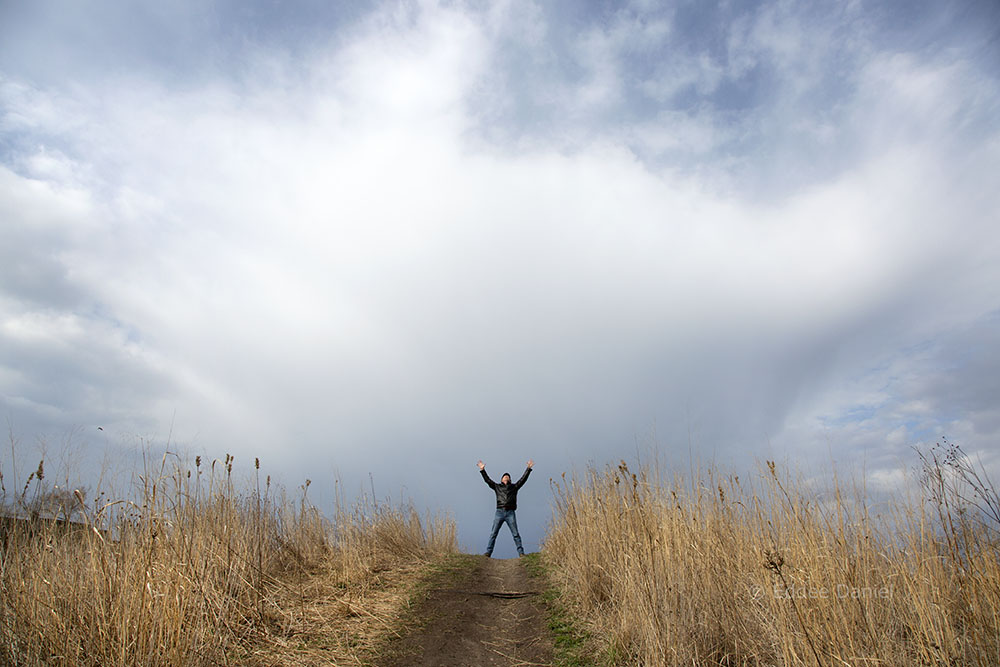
(402, 238)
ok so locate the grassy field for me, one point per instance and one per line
(717, 570)
(190, 567)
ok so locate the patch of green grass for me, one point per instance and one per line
(573, 644)
(438, 572)
(451, 564)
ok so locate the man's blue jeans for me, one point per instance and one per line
(504, 516)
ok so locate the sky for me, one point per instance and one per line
(376, 242)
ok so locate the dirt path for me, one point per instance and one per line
(488, 612)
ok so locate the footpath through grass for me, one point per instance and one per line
(471, 610)
(442, 572)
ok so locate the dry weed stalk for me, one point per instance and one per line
(715, 571)
(191, 568)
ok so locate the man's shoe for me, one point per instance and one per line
(520, 555)
(488, 554)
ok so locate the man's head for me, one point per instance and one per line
(505, 478)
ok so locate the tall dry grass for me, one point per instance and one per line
(188, 567)
(716, 570)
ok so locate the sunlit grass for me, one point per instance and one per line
(717, 570)
(191, 567)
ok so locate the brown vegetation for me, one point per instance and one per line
(716, 571)
(192, 568)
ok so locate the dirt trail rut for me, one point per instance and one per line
(487, 614)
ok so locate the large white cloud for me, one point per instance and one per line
(360, 252)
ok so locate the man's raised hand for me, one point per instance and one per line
(482, 466)
(531, 463)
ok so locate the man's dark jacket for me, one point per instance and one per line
(506, 493)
